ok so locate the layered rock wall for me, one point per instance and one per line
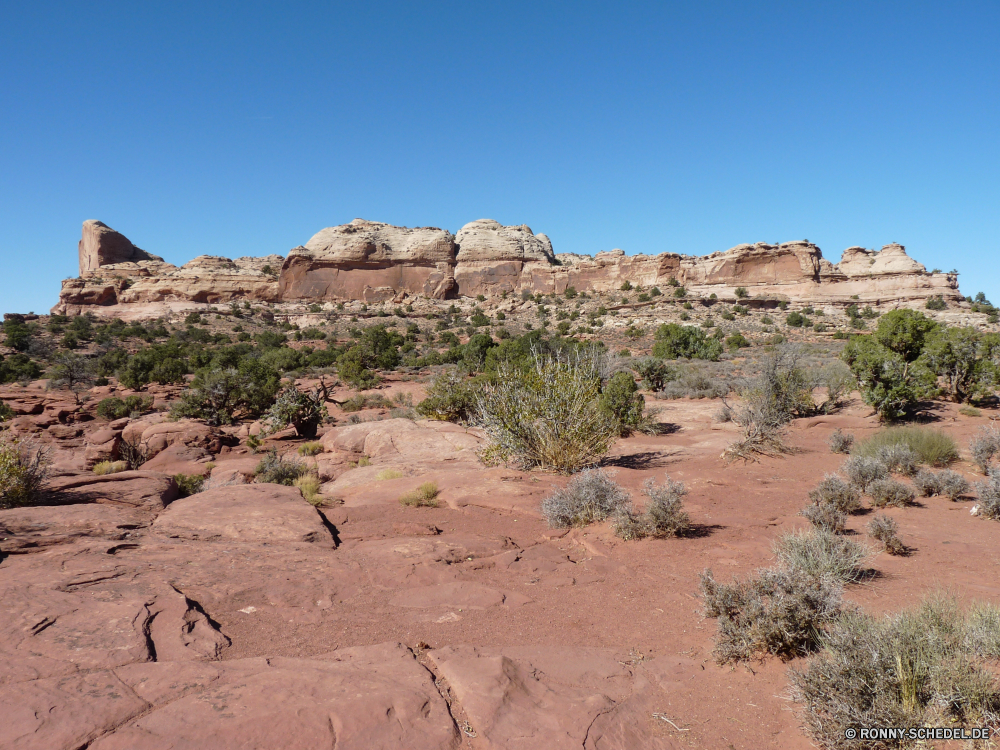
(375, 262)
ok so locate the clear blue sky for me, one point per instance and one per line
(243, 128)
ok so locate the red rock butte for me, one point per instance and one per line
(376, 262)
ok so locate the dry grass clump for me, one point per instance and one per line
(890, 492)
(275, 469)
(311, 448)
(309, 485)
(388, 474)
(984, 446)
(109, 467)
(898, 459)
(548, 415)
(366, 401)
(841, 442)
(932, 447)
(775, 612)
(825, 517)
(836, 492)
(663, 517)
(884, 529)
(23, 469)
(189, 484)
(863, 471)
(590, 496)
(821, 554)
(929, 666)
(424, 496)
(989, 496)
(695, 381)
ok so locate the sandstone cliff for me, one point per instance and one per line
(374, 262)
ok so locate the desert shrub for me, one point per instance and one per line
(109, 467)
(952, 485)
(654, 373)
(548, 415)
(863, 471)
(884, 529)
(6, 413)
(835, 492)
(769, 400)
(189, 484)
(23, 469)
(964, 359)
(921, 667)
(310, 449)
(736, 341)
(890, 492)
(388, 474)
(932, 447)
(927, 483)
(970, 411)
(775, 612)
(841, 442)
(226, 395)
(694, 381)
(451, 398)
(663, 517)
(621, 402)
(116, 408)
(825, 517)
(888, 382)
(898, 459)
(424, 496)
(820, 554)
(275, 469)
(133, 452)
(588, 497)
(674, 341)
(303, 411)
(988, 493)
(984, 446)
(360, 401)
(309, 485)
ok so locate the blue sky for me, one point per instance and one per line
(243, 128)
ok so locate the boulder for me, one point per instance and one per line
(253, 513)
(101, 245)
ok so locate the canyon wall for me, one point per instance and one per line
(375, 262)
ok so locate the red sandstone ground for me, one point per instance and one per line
(242, 617)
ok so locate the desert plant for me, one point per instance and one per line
(133, 451)
(451, 398)
(621, 402)
(927, 483)
(932, 447)
(548, 415)
(863, 471)
(890, 492)
(23, 469)
(775, 612)
(884, 529)
(663, 517)
(825, 517)
(835, 492)
(275, 469)
(116, 408)
(988, 493)
(109, 467)
(898, 459)
(984, 446)
(970, 411)
(820, 554)
(228, 394)
(303, 411)
(424, 496)
(952, 485)
(841, 442)
(189, 484)
(685, 342)
(310, 449)
(588, 497)
(654, 373)
(385, 474)
(922, 667)
(309, 485)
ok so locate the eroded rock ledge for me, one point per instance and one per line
(374, 262)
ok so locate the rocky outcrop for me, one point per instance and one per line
(101, 245)
(376, 262)
(371, 261)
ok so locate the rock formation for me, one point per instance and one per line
(375, 262)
